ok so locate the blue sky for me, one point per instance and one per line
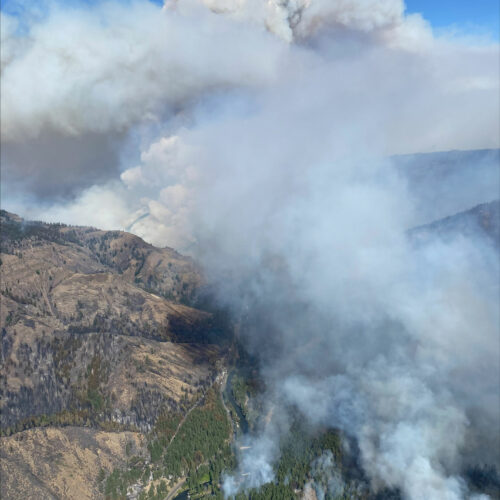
(467, 16)
(480, 17)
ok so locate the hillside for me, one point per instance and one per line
(446, 183)
(117, 384)
(481, 222)
(98, 342)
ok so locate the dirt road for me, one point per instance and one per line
(178, 485)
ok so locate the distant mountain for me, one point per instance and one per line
(445, 183)
(481, 221)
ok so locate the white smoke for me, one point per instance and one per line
(117, 65)
(258, 132)
(255, 463)
(327, 478)
(302, 19)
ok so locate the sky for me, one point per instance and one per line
(481, 17)
(71, 104)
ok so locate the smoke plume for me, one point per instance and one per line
(258, 136)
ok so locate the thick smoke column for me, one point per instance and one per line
(358, 329)
(264, 130)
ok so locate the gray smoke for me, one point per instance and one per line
(256, 135)
(396, 345)
(327, 478)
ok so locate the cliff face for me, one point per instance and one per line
(95, 328)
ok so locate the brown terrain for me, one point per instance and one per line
(98, 341)
(52, 463)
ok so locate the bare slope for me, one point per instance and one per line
(96, 333)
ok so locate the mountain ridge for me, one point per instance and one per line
(106, 352)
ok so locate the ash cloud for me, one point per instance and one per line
(256, 136)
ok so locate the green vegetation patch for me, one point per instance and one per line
(201, 437)
(299, 449)
(199, 450)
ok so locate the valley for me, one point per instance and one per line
(117, 382)
(120, 380)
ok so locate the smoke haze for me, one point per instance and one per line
(258, 136)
